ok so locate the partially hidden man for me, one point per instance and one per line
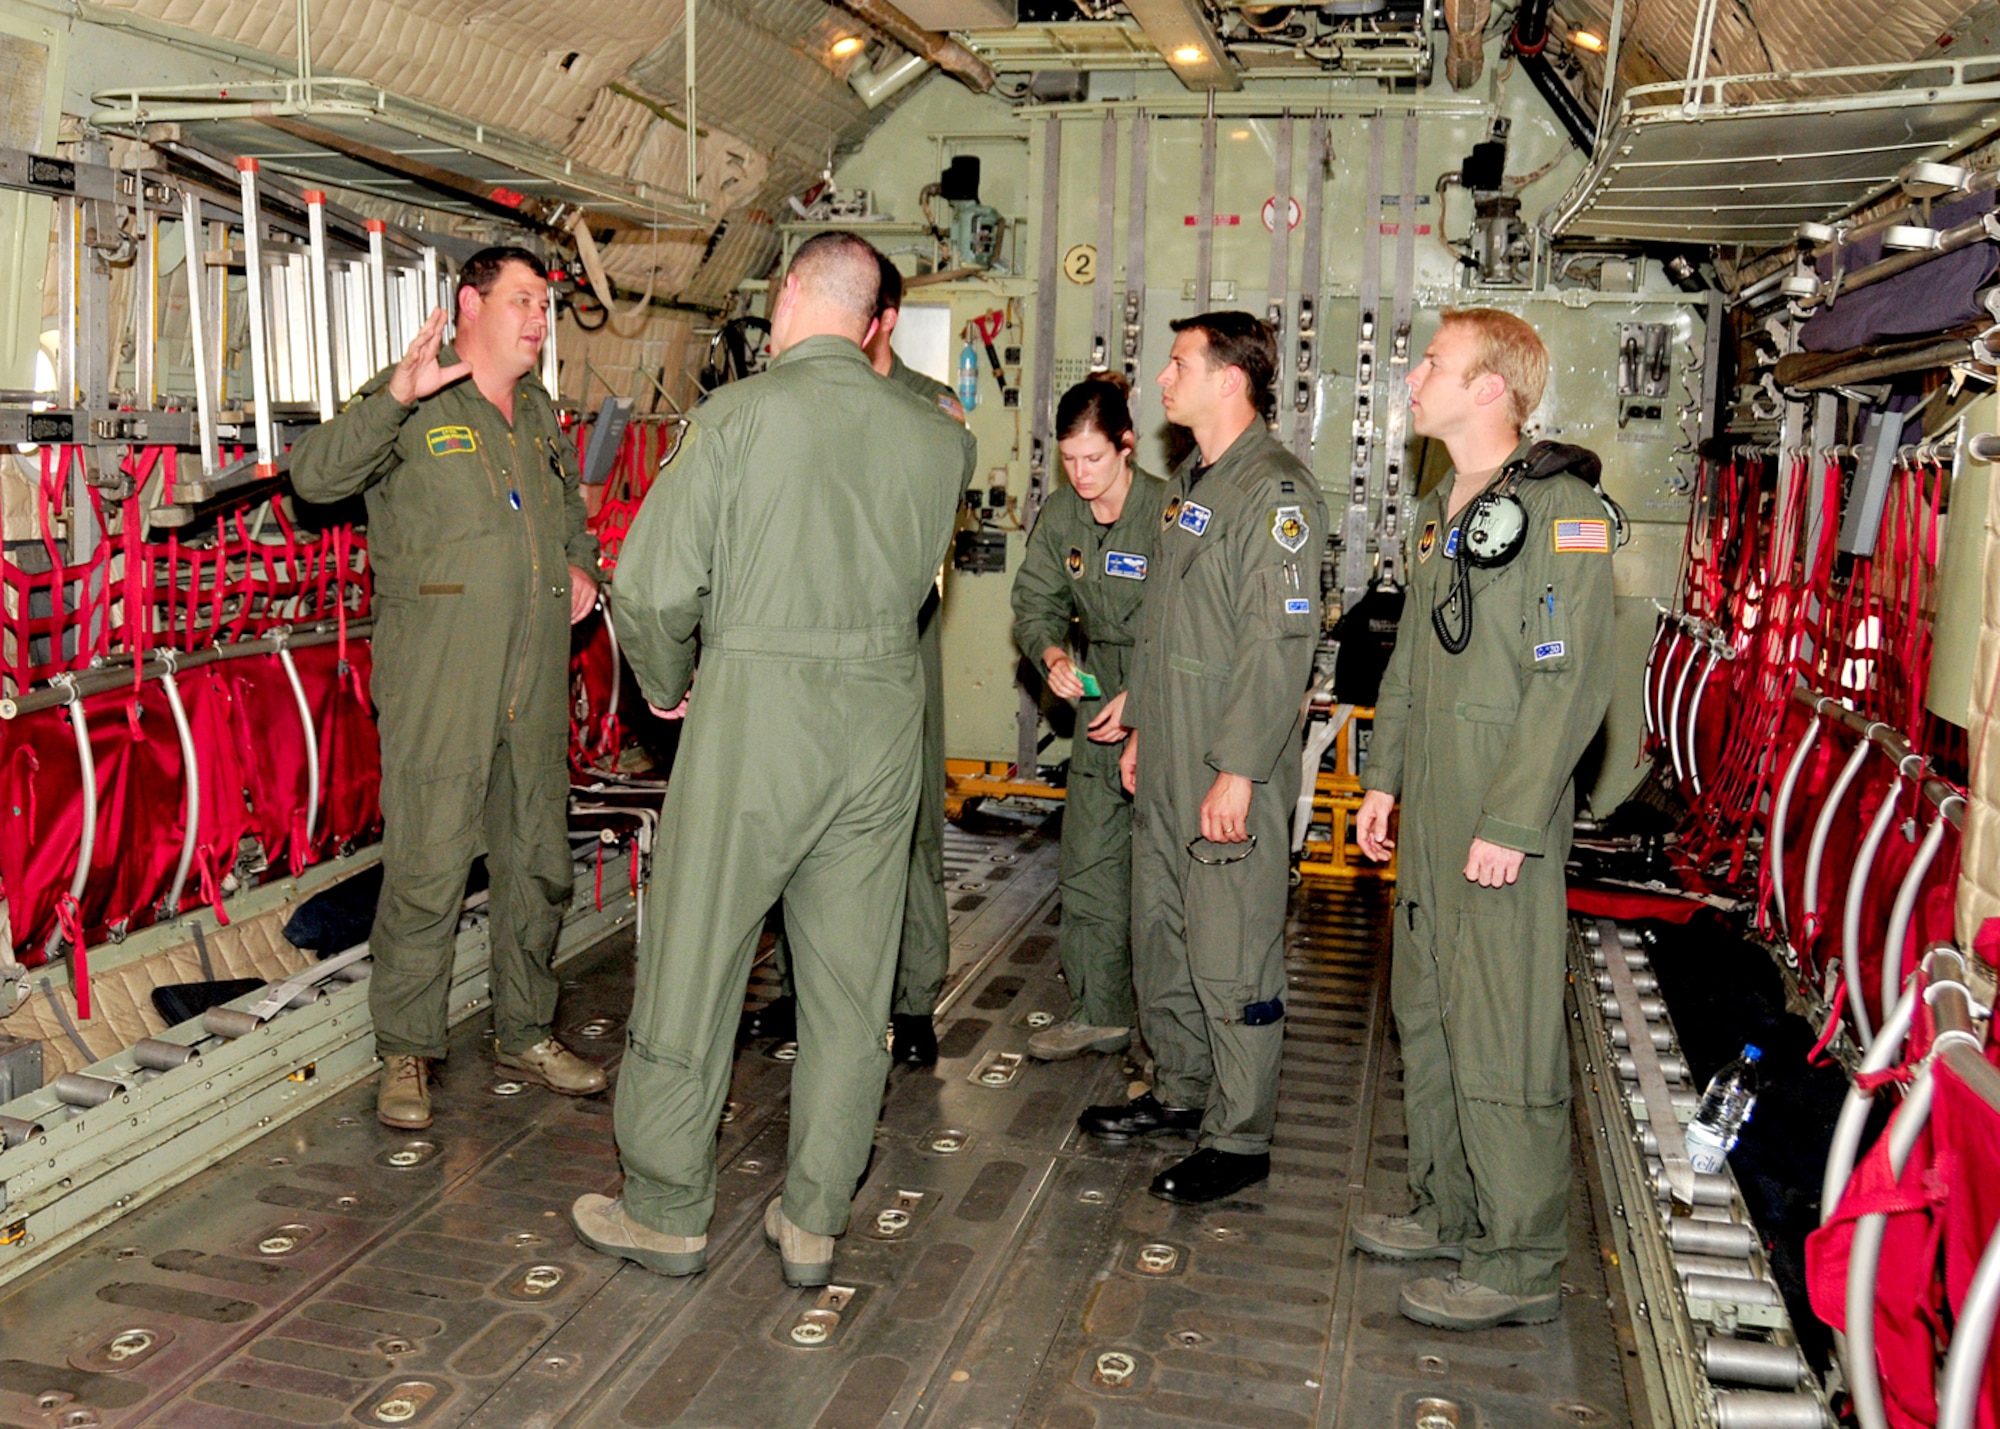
(1501, 675)
(1218, 679)
(481, 565)
(794, 537)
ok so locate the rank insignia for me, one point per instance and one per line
(1288, 527)
(1171, 514)
(1194, 517)
(445, 440)
(1427, 542)
(1073, 562)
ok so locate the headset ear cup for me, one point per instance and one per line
(1495, 529)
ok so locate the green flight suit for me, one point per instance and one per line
(798, 530)
(1225, 649)
(1077, 570)
(925, 955)
(472, 528)
(1483, 744)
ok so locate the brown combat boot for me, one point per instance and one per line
(403, 1096)
(555, 1067)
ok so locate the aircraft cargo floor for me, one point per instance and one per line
(1001, 1270)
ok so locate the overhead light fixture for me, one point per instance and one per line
(1239, 133)
(1587, 40)
(848, 45)
(1190, 55)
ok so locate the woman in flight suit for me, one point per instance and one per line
(1076, 611)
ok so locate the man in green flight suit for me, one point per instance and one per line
(1086, 564)
(481, 564)
(1225, 652)
(1501, 675)
(924, 956)
(795, 535)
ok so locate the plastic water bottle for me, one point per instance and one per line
(968, 377)
(1725, 1107)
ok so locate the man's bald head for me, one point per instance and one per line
(831, 288)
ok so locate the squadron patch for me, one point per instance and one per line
(1171, 514)
(1125, 564)
(1583, 535)
(1073, 562)
(1288, 527)
(1194, 517)
(1553, 650)
(445, 440)
(1427, 542)
(1451, 542)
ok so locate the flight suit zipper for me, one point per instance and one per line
(534, 571)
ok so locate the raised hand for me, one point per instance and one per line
(418, 375)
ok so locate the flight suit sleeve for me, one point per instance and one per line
(1043, 604)
(353, 451)
(1383, 772)
(665, 568)
(1567, 666)
(1277, 623)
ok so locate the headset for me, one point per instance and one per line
(1495, 528)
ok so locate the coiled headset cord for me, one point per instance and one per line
(1459, 598)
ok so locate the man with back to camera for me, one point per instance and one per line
(481, 564)
(797, 532)
(1500, 677)
(1225, 648)
(924, 956)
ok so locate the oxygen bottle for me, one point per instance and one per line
(1725, 1107)
(968, 377)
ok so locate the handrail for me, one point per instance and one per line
(191, 807)
(1845, 1147)
(1646, 679)
(1694, 717)
(117, 673)
(1816, 846)
(87, 762)
(1864, 1382)
(1660, 683)
(1674, 710)
(311, 735)
(1905, 906)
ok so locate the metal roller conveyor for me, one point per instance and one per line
(14, 1131)
(77, 1089)
(154, 1055)
(1712, 1238)
(1650, 1008)
(1645, 982)
(1593, 936)
(1725, 1267)
(1634, 960)
(1752, 1409)
(1662, 1039)
(1757, 1362)
(1684, 1099)
(1732, 1290)
(1709, 1190)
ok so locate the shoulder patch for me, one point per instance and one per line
(1427, 542)
(1195, 517)
(445, 440)
(1583, 535)
(1289, 528)
(1124, 564)
(1073, 562)
(951, 407)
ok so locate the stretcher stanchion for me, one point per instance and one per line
(1674, 709)
(1845, 1148)
(1781, 809)
(1972, 1336)
(1864, 1381)
(1816, 846)
(1660, 681)
(311, 735)
(1694, 717)
(1646, 677)
(1850, 917)
(260, 357)
(322, 317)
(1903, 910)
(87, 843)
(191, 772)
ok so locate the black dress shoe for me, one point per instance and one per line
(1141, 1116)
(777, 1019)
(1209, 1175)
(913, 1039)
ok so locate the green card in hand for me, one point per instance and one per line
(1091, 689)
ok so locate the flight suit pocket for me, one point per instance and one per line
(1503, 999)
(1548, 635)
(1284, 605)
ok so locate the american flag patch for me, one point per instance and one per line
(1583, 535)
